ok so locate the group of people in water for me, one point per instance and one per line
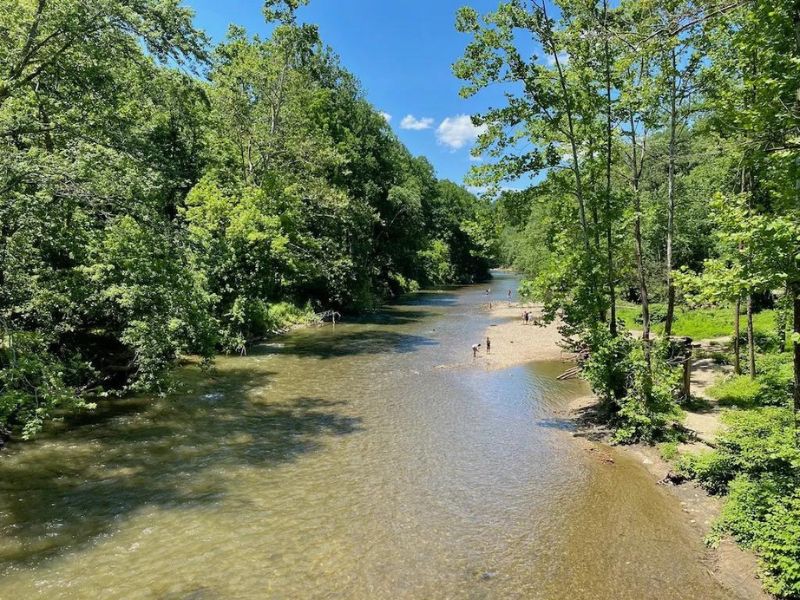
(476, 347)
(527, 318)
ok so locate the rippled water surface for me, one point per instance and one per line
(369, 460)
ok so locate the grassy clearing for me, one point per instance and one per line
(698, 323)
(737, 390)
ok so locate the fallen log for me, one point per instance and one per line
(570, 373)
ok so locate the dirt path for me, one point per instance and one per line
(705, 419)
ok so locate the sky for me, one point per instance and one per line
(402, 53)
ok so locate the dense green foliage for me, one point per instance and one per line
(757, 463)
(161, 197)
(663, 141)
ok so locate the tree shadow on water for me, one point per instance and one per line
(344, 342)
(393, 315)
(60, 493)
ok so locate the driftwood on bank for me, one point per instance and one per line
(570, 373)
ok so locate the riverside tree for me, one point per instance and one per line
(162, 197)
(689, 203)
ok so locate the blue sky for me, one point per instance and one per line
(401, 51)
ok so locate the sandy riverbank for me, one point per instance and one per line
(514, 343)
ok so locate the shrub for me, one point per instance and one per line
(649, 406)
(764, 341)
(282, 315)
(763, 513)
(712, 469)
(756, 442)
(758, 464)
(658, 314)
(778, 546)
(608, 366)
(771, 387)
(668, 450)
(776, 379)
(33, 385)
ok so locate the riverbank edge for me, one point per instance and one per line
(734, 568)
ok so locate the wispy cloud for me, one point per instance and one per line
(478, 190)
(456, 132)
(411, 122)
(563, 58)
(386, 116)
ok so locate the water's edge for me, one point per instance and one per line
(373, 459)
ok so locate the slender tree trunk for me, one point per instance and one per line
(673, 123)
(576, 166)
(796, 345)
(795, 287)
(737, 363)
(784, 306)
(601, 311)
(594, 207)
(637, 236)
(751, 344)
(612, 293)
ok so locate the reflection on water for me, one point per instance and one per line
(341, 462)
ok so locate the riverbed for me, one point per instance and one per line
(373, 459)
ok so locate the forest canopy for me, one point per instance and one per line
(160, 196)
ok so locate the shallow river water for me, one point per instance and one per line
(370, 460)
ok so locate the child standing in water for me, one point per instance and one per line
(488, 345)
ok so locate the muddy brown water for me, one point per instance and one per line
(370, 460)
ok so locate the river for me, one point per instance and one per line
(367, 460)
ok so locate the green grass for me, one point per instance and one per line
(738, 390)
(699, 323)
(668, 450)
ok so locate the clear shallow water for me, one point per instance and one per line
(373, 460)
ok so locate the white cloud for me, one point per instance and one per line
(563, 58)
(478, 190)
(386, 116)
(411, 122)
(475, 158)
(456, 132)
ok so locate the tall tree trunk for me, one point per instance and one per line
(737, 363)
(673, 124)
(637, 236)
(751, 344)
(783, 308)
(576, 166)
(795, 287)
(612, 293)
(796, 345)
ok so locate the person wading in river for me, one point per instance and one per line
(488, 345)
(475, 348)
